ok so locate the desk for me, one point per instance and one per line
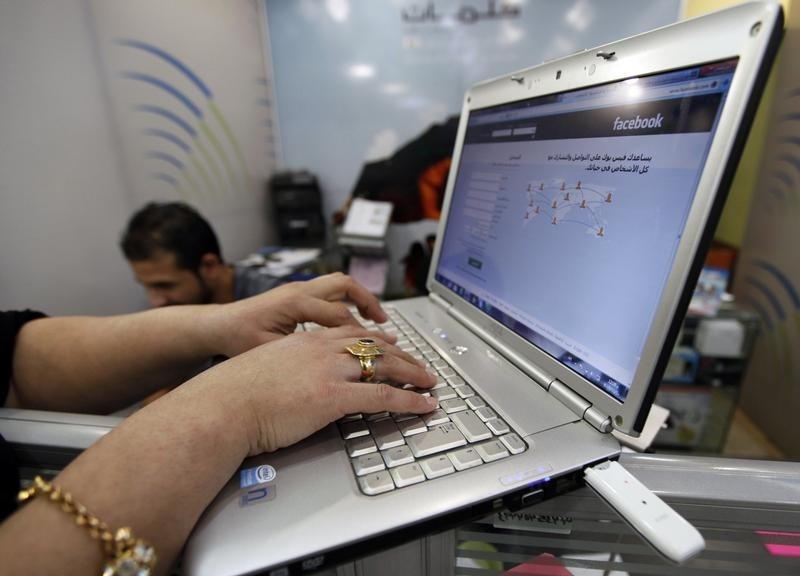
(747, 510)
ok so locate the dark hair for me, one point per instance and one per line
(171, 227)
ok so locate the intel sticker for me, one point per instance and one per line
(257, 495)
(259, 475)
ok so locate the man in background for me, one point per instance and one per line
(175, 255)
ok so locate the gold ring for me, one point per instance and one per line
(367, 352)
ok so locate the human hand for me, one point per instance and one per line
(291, 387)
(247, 323)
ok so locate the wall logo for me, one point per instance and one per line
(638, 123)
(192, 147)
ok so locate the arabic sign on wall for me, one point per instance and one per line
(464, 14)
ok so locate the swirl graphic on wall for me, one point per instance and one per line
(774, 297)
(191, 146)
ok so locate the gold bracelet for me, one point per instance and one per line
(126, 553)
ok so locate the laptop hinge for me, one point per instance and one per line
(597, 419)
(580, 406)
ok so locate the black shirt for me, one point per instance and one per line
(10, 325)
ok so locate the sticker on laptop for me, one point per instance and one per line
(258, 475)
(257, 495)
(530, 521)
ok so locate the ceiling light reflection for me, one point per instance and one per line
(580, 15)
(633, 89)
(511, 34)
(634, 92)
(361, 71)
(338, 10)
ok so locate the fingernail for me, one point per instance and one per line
(432, 402)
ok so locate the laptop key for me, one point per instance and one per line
(397, 456)
(420, 391)
(411, 427)
(471, 426)
(446, 372)
(407, 474)
(443, 393)
(376, 483)
(431, 356)
(439, 364)
(353, 429)
(351, 417)
(440, 383)
(497, 426)
(475, 402)
(386, 434)
(401, 416)
(485, 413)
(491, 451)
(456, 381)
(453, 405)
(438, 439)
(513, 442)
(368, 463)
(465, 458)
(359, 446)
(436, 417)
(464, 391)
(437, 466)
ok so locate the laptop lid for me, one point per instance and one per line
(583, 194)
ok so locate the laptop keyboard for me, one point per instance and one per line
(389, 451)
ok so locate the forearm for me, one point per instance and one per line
(155, 474)
(88, 364)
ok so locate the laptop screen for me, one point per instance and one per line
(568, 209)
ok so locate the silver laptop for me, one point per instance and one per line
(581, 198)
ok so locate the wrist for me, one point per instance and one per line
(220, 411)
(208, 330)
(226, 390)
